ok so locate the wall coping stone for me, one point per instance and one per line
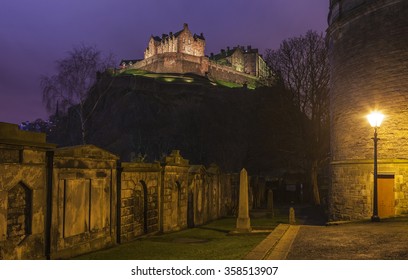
(85, 151)
(10, 134)
(140, 167)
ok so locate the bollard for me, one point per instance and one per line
(292, 220)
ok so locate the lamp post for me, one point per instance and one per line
(375, 119)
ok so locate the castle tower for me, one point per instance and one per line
(182, 41)
(368, 52)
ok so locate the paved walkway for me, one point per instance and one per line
(363, 240)
(276, 245)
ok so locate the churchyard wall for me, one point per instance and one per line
(60, 203)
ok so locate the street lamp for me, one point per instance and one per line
(375, 119)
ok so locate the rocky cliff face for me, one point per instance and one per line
(235, 128)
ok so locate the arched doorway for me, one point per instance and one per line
(140, 208)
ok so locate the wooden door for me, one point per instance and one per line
(385, 184)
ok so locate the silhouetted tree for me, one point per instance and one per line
(301, 64)
(39, 125)
(76, 79)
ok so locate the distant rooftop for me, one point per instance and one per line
(165, 36)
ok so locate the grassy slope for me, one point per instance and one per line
(180, 78)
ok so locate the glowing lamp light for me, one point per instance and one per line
(375, 119)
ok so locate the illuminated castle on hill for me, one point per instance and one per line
(183, 52)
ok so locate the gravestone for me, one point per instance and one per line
(243, 220)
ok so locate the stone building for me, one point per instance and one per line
(368, 52)
(246, 60)
(182, 41)
(184, 52)
(233, 58)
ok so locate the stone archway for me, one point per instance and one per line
(140, 209)
(145, 207)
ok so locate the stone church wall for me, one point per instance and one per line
(353, 200)
(369, 66)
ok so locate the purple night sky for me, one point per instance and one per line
(33, 34)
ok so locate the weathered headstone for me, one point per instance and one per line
(243, 220)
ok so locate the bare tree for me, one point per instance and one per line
(76, 78)
(301, 65)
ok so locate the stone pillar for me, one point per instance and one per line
(175, 192)
(243, 220)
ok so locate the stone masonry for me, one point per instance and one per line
(368, 52)
(84, 197)
(174, 193)
(140, 199)
(60, 203)
(23, 189)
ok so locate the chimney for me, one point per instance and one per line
(222, 51)
(228, 49)
(211, 55)
(249, 47)
(185, 26)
